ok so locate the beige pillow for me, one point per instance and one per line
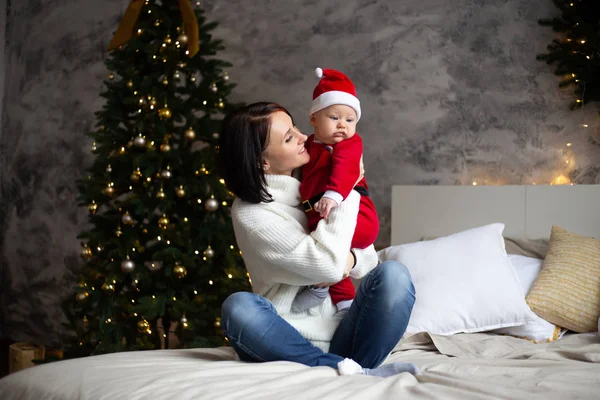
(567, 290)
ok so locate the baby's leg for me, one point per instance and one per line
(308, 298)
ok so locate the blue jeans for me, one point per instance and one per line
(369, 331)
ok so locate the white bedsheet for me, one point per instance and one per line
(464, 366)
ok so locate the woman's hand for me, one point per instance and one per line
(362, 171)
(349, 265)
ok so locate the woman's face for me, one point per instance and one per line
(285, 150)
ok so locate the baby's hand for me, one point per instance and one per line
(324, 206)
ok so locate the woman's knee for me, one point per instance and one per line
(241, 307)
(396, 277)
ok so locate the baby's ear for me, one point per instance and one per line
(313, 120)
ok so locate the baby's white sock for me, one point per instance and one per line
(351, 367)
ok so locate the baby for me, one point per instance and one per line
(333, 170)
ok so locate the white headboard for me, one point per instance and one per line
(527, 211)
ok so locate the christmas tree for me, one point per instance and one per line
(160, 254)
(577, 51)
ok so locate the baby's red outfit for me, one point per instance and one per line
(337, 167)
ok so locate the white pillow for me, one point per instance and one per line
(539, 330)
(463, 282)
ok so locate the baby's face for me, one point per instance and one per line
(334, 123)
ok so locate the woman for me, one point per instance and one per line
(259, 149)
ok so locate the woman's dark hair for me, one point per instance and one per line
(244, 136)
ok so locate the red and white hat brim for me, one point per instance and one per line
(335, 97)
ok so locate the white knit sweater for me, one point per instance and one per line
(282, 256)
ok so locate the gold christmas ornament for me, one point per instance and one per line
(165, 81)
(209, 252)
(166, 174)
(109, 190)
(211, 205)
(82, 296)
(221, 104)
(94, 148)
(176, 75)
(143, 325)
(190, 134)
(183, 38)
(218, 322)
(111, 76)
(129, 84)
(108, 288)
(127, 265)
(109, 168)
(180, 192)
(168, 39)
(225, 76)
(118, 232)
(126, 218)
(165, 147)
(139, 141)
(157, 23)
(215, 135)
(183, 319)
(214, 88)
(161, 194)
(179, 271)
(136, 175)
(92, 208)
(150, 146)
(163, 221)
(153, 102)
(193, 78)
(165, 113)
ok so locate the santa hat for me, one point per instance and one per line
(334, 88)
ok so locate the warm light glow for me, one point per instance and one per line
(560, 180)
(224, 203)
(210, 282)
(474, 183)
(569, 144)
(573, 75)
(583, 41)
(185, 219)
(579, 101)
(199, 201)
(109, 320)
(195, 292)
(174, 299)
(231, 247)
(153, 296)
(585, 125)
(229, 276)
(222, 181)
(197, 252)
(159, 238)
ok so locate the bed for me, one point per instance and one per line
(458, 366)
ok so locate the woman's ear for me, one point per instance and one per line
(265, 165)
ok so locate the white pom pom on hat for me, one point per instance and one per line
(334, 88)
